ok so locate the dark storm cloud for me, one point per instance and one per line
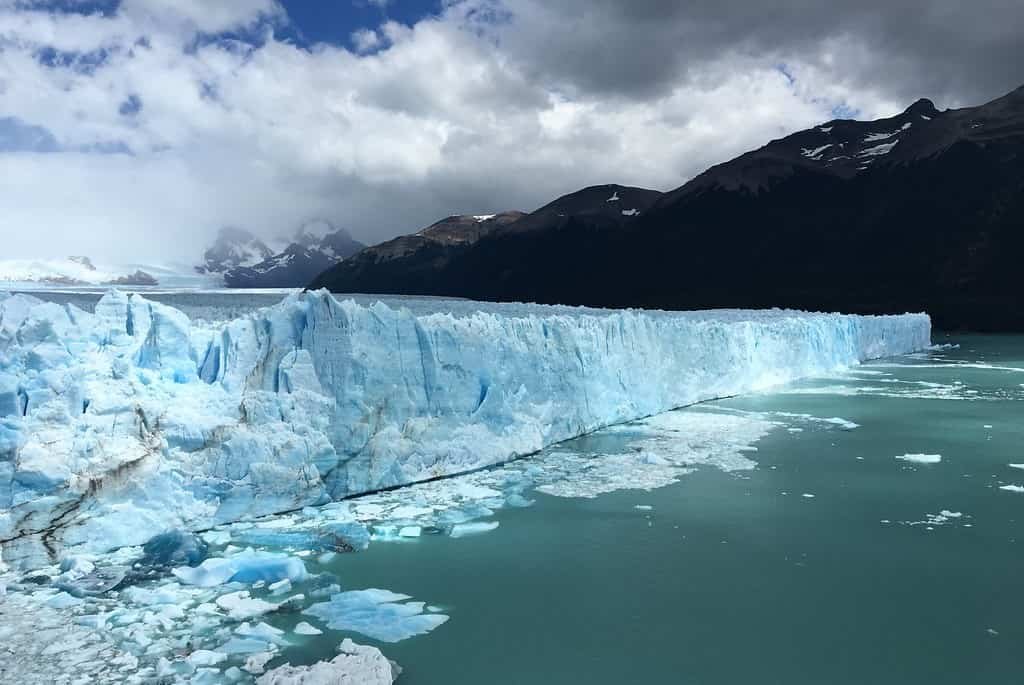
(963, 52)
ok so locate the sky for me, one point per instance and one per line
(133, 130)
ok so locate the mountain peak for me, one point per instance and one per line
(924, 106)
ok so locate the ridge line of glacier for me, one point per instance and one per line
(122, 423)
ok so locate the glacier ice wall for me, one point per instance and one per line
(120, 424)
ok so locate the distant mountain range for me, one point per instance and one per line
(79, 271)
(244, 261)
(921, 211)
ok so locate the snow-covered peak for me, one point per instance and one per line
(233, 247)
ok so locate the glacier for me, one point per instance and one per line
(132, 420)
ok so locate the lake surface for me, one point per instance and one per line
(740, 577)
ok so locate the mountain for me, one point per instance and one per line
(80, 271)
(409, 261)
(233, 247)
(432, 261)
(921, 211)
(316, 247)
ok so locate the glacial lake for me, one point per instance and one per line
(860, 528)
(741, 577)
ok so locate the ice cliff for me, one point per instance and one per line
(121, 423)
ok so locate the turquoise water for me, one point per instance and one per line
(738, 577)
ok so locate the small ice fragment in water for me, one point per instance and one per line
(280, 587)
(240, 606)
(463, 529)
(921, 458)
(1012, 488)
(643, 507)
(206, 657)
(1016, 466)
(991, 631)
(807, 495)
(303, 628)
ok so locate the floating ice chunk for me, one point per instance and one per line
(1016, 466)
(842, 423)
(261, 631)
(460, 530)
(808, 495)
(97, 582)
(63, 600)
(630, 212)
(76, 567)
(303, 628)
(167, 550)
(921, 458)
(380, 614)
(1012, 488)
(240, 606)
(931, 521)
(355, 664)
(614, 197)
(255, 663)
(206, 657)
(244, 567)
(643, 507)
(245, 645)
(281, 587)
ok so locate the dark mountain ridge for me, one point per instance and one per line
(921, 211)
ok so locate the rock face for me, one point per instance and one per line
(140, 277)
(354, 665)
(314, 249)
(119, 425)
(411, 260)
(921, 211)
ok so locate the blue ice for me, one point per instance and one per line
(379, 614)
(244, 567)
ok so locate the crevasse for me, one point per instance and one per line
(120, 424)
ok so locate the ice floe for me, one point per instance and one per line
(921, 458)
(380, 614)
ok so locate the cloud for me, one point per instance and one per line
(365, 40)
(135, 134)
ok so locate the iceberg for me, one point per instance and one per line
(379, 614)
(131, 421)
(245, 567)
